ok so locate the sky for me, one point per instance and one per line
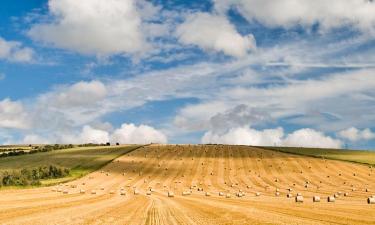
(254, 72)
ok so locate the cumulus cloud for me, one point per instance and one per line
(99, 134)
(240, 115)
(270, 137)
(92, 27)
(288, 13)
(245, 136)
(143, 134)
(12, 115)
(14, 51)
(213, 32)
(354, 134)
(81, 94)
(310, 138)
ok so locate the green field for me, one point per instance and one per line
(357, 156)
(80, 160)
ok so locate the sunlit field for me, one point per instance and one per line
(197, 184)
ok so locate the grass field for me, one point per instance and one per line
(80, 160)
(363, 157)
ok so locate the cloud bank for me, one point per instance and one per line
(272, 137)
(126, 134)
(353, 134)
(288, 13)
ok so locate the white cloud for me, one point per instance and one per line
(13, 51)
(92, 135)
(288, 13)
(93, 27)
(270, 137)
(35, 139)
(354, 134)
(212, 32)
(310, 138)
(12, 115)
(143, 134)
(245, 136)
(99, 134)
(81, 94)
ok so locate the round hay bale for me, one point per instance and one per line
(331, 199)
(200, 189)
(208, 194)
(170, 194)
(228, 195)
(299, 194)
(93, 192)
(122, 193)
(289, 195)
(367, 190)
(299, 198)
(221, 194)
(136, 192)
(257, 194)
(346, 194)
(82, 191)
(277, 194)
(316, 199)
(148, 193)
(371, 200)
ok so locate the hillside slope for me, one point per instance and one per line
(215, 168)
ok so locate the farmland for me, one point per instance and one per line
(364, 157)
(80, 160)
(210, 184)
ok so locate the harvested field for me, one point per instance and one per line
(197, 170)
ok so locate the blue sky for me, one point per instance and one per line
(221, 71)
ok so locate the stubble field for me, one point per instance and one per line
(207, 182)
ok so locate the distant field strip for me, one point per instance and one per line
(206, 181)
(80, 160)
(357, 156)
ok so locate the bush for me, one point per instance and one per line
(33, 176)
